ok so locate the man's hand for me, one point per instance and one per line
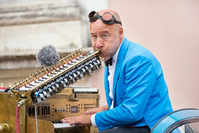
(81, 119)
(84, 119)
(96, 110)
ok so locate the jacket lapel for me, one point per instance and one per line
(107, 90)
(120, 61)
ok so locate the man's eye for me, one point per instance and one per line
(105, 36)
(94, 36)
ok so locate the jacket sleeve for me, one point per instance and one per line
(139, 80)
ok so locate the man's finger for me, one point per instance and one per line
(89, 112)
(67, 118)
(65, 121)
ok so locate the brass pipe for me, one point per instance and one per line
(4, 128)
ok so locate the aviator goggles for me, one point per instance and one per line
(106, 18)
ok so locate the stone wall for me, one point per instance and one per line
(27, 26)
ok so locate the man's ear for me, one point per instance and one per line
(121, 32)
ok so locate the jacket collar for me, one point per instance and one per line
(120, 61)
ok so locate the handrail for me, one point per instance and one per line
(175, 119)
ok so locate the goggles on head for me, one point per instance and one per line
(106, 18)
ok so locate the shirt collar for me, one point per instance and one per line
(116, 54)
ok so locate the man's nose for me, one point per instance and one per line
(99, 43)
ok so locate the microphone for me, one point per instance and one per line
(48, 56)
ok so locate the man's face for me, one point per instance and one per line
(105, 37)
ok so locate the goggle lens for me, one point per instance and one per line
(93, 16)
(107, 16)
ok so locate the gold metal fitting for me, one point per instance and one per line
(4, 128)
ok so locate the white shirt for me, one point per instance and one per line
(110, 80)
(111, 75)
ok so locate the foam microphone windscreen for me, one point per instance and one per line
(47, 56)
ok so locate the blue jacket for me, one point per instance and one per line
(140, 93)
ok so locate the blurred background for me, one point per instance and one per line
(168, 28)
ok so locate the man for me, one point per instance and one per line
(136, 92)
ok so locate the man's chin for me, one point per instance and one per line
(102, 56)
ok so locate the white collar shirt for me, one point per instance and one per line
(111, 70)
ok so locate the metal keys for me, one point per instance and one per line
(53, 79)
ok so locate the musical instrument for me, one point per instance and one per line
(69, 102)
(43, 95)
(51, 80)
